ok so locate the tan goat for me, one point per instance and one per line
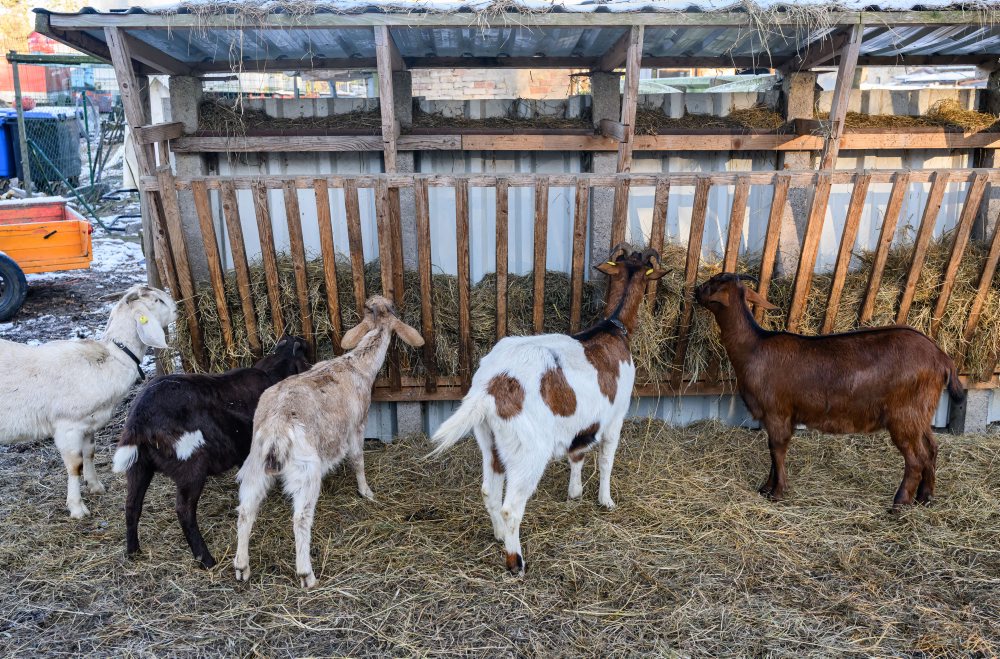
(307, 424)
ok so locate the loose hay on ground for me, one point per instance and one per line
(693, 561)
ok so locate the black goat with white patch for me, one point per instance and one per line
(192, 426)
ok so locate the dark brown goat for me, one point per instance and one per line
(192, 426)
(861, 381)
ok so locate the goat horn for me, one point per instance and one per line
(755, 281)
(618, 250)
(650, 253)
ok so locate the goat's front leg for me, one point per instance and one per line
(305, 487)
(779, 434)
(70, 445)
(188, 494)
(94, 485)
(253, 489)
(606, 461)
(493, 478)
(357, 458)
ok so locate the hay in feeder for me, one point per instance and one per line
(512, 120)
(946, 113)
(235, 119)
(693, 562)
(652, 121)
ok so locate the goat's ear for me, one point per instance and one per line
(409, 335)
(353, 336)
(610, 268)
(655, 273)
(148, 329)
(756, 298)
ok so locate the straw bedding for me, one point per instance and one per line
(692, 562)
(651, 121)
(946, 113)
(653, 344)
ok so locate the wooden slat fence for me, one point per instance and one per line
(434, 384)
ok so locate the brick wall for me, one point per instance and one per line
(462, 84)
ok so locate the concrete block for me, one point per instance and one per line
(606, 97)
(409, 419)
(973, 414)
(699, 103)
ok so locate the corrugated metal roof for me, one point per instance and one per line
(220, 36)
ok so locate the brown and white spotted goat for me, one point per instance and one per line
(306, 426)
(861, 381)
(539, 398)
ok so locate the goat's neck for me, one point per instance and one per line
(121, 327)
(369, 355)
(626, 307)
(739, 332)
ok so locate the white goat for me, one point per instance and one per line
(537, 398)
(307, 424)
(69, 389)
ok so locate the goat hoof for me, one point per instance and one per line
(515, 565)
(208, 562)
(367, 494)
(573, 495)
(609, 504)
(97, 487)
(78, 512)
(307, 580)
(243, 573)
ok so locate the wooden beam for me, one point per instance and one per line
(810, 249)
(613, 129)
(502, 252)
(924, 234)
(770, 253)
(899, 189)
(311, 143)
(128, 89)
(695, 238)
(615, 57)
(386, 99)
(154, 58)
(842, 96)
(818, 52)
(158, 132)
(847, 239)
(630, 98)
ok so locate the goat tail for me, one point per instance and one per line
(955, 389)
(127, 452)
(471, 412)
(270, 460)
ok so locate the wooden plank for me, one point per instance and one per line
(175, 234)
(162, 154)
(658, 229)
(888, 231)
(312, 143)
(630, 97)
(847, 239)
(983, 288)
(817, 52)
(396, 234)
(158, 132)
(298, 250)
(154, 57)
(324, 221)
(540, 248)
(269, 258)
(613, 129)
(502, 201)
(422, 208)
(770, 252)
(619, 211)
(695, 237)
(810, 249)
(390, 127)
(924, 234)
(962, 231)
(128, 90)
(231, 214)
(615, 56)
(383, 219)
(465, 355)
(354, 243)
(581, 210)
(203, 207)
(735, 231)
(841, 96)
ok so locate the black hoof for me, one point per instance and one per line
(515, 564)
(208, 562)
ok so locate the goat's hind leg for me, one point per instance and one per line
(911, 444)
(94, 484)
(304, 486)
(137, 482)
(253, 490)
(606, 461)
(521, 484)
(779, 434)
(70, 445)
(357, 458)
(925, 491)
(188, 494)
(493, 478)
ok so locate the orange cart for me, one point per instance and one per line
(39, 234)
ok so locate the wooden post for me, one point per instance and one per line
(938, 185)
(695, 238)
(293, 218)
(215, 271)
(541, 246)
(810, 249)
(324, 221)
(771, 239)
(426, 283)
(630, 102)
(22, 133)
(889, 221)
(847, 239)
(842, 96)
(352, 210)
(464, 302)
(502, 255)
(579, 247)
(231, 214)
(385, 49)
(656, 232)
(265, 231)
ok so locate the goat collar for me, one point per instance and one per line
(138, 362)
(620, 325)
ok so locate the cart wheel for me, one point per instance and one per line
(13, 288)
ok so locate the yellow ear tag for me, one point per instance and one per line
(143, 320)
(649, 272)
(612, 263)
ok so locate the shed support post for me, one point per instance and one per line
(606, 103)
(22, 133)
(799, 98)
(989, 101)
(185, 97)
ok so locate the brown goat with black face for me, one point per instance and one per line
(190, 426)
(861, 381)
